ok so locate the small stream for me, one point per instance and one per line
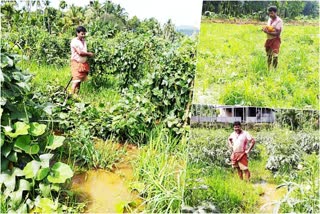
(105, 191)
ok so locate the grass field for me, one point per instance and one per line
(232, 67)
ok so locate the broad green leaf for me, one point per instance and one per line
(60, 172)
(34, 149)
(37, 129)
(24, 185)
(55, 187)
(13, 157)
(23, 143)
(31, 169)
(6, 150)
(45, 159)
(6, 61)
(42, 173)
(55, 141)
(22, 208)
(10, 181)
(6, 193)
(3, 177)
(45, 189)
(20, 128)
(17, 172)
(48, 108)
(16, 197)
(47, 205)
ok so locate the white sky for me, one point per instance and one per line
(181, 12)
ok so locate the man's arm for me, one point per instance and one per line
(276, 33)
(83, 53)
(251, 142)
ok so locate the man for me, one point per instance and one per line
(273, 31)
(79, 65)
(239, 142)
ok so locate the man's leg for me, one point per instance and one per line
(275, 52)
(269, 60)
(240, 173)
(247, 173)
(275, 60)
(78, 87)
(75, 87)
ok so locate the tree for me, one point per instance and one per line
(63, 4)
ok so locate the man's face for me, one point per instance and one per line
(81, 35)
(237, 128)
(272, 14)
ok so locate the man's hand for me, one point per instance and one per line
(90, 54)
(251, 146)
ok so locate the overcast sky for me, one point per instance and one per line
(181, 12)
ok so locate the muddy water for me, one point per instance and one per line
(105, 191)
(270, 194)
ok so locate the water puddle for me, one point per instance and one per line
(269, 195)
(109, 192)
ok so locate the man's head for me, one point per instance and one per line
(81, 32)
(237, 126)
(272, 10)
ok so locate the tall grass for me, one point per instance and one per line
(223, 188)
(161, 168)
(232, 67)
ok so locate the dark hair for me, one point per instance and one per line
(272, 9)
(236, 123)
(81, 29)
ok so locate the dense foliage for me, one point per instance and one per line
(31, 176)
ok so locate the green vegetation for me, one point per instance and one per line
(282, 157)
(160, 170)
(289, 10)
(138, 92)
(31, 177)
(232, 67)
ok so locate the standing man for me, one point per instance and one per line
(273, 31)
(239, 142)
(79, 65)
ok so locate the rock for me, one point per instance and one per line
(201, 210)
(210, 208)
(187, 209)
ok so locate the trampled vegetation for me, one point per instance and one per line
(138, 92)
(283, 159)
(232, 67)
